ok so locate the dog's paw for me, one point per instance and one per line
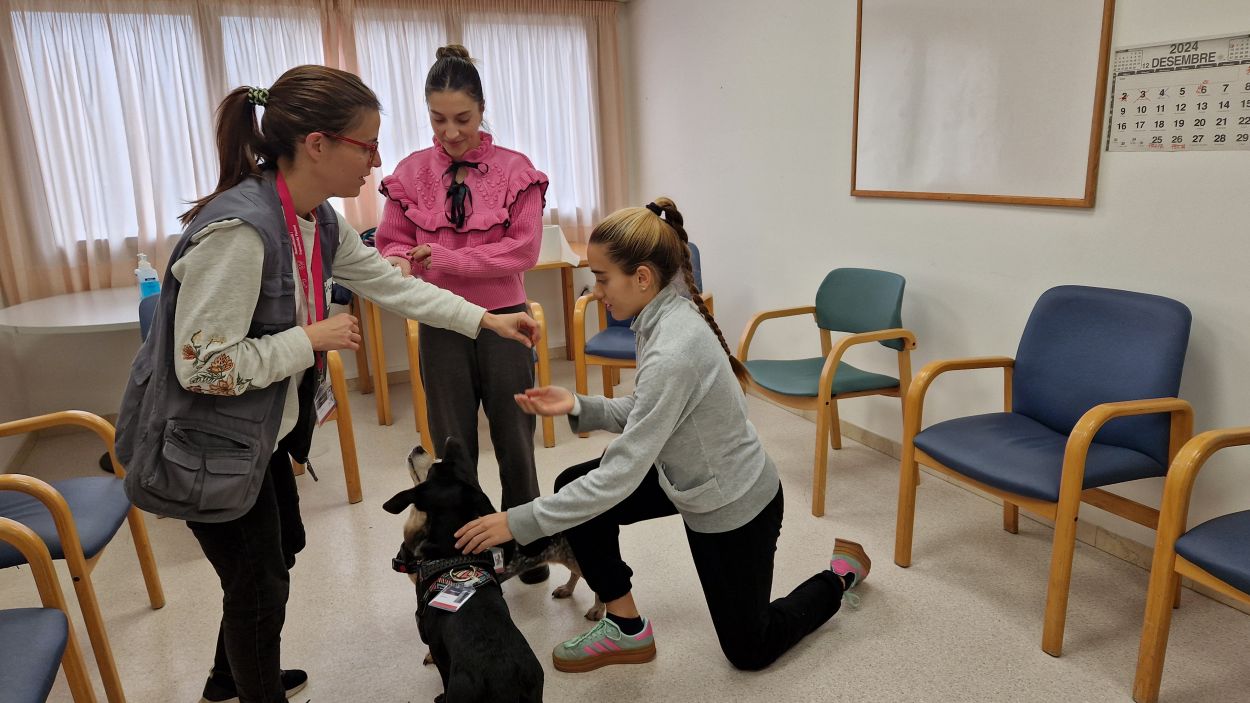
(429, 659)
(562, 592)
(597, 612)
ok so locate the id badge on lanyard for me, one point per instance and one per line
(312, 281)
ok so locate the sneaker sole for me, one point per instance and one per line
(856, 550)
(579, 666)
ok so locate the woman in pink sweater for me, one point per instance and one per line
(466, 215)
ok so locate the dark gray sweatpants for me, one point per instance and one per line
(459, 375)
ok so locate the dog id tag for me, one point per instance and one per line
(452, 597)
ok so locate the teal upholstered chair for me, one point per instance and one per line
(866, 304)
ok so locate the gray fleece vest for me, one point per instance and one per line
(203, 457)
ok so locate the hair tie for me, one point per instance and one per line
(258, 96)
(656, 209)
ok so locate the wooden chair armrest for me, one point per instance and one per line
(1179, 486)
(52, 499)
(1082, 435)
(579, 322)
(913, 405)
(37, 556)
(834, 357)
(93, 422)
(745, 344)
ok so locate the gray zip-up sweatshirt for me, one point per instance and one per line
(687, 416)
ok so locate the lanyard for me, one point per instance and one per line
(301, 261)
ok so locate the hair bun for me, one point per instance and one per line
(671, 214)
(452, 51)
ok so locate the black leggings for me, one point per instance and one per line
(735, 569)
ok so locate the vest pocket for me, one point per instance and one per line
(276, 303)
(204, 464)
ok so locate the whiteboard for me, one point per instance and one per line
(980, 100)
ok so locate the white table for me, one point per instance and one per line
(103, 310)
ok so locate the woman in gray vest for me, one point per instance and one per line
(221, 395)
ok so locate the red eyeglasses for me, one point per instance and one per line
(372, 148)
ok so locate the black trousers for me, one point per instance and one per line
(252, 556)
(459, 375)
(735, 569)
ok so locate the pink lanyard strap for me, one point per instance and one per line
(301, 261)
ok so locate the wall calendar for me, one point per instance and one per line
(1181, 96)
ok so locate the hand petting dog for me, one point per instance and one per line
(483, 533)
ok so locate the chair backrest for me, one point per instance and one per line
(1084, 346)
(861, 300)
(147, 311)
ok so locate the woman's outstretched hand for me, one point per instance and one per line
(548, 400)
(483, 533)
(517, 326)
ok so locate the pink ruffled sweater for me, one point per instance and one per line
(485, 260)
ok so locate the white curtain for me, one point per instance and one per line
(107, 109)
(539, 80)
(116, 108)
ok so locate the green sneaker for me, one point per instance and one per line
(604, 644)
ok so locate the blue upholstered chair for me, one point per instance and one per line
(77, 518)
(613, 347)
(1215, 554)
(35, 641)
(1089, 401)
(868, 305)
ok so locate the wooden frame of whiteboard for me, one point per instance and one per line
(1095, 137)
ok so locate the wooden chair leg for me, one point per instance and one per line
(1011, 517)
(579, 374)
(909, 476)
(147, 561)
(835, 425)
(1176, 588)
(347, 434)
(1060, 579)
(420, 411)
(1155, 627)
(364, 382)
(820, 468)
(607, 381)
(616, 375)
(380, 384)
(96, 632)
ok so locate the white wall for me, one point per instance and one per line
(741, 111)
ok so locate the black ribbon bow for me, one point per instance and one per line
(458, 193)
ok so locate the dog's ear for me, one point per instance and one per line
(413, 496)
(455, 460)
(480, 504)
(454, 451)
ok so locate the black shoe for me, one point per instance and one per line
(219, 689)
(538, 574)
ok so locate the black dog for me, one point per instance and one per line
(479, 652)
